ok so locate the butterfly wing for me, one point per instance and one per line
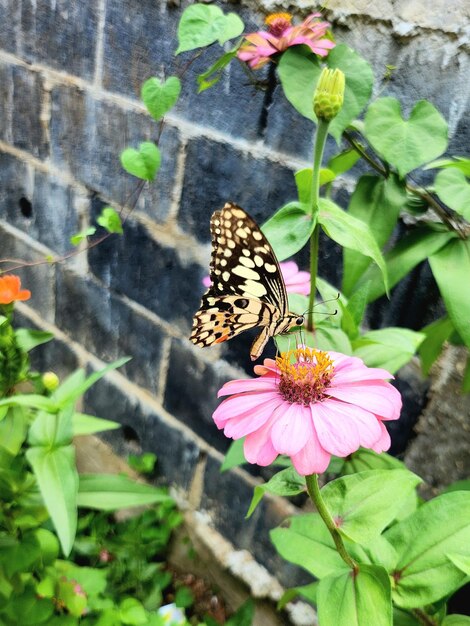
(222, 317)
(243, 262)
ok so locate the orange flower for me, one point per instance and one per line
(10, 289)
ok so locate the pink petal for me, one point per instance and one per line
(292, 429)
(258, 447)
(252, 420)
(365, 422)
(206, 281)
(379, 397)
(269, 365)
(312, 459)
(240, 404)
(266, 383)
(336, 434)
(383, 443)
(288, 269)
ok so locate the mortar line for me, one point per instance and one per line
(98, 73)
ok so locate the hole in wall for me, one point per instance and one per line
(130, 435)
(26, 207)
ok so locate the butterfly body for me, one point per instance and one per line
(247, 287)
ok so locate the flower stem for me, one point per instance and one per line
(316, 497)
(320, 140)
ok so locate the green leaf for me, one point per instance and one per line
(57, 478)
(244, 615)
(351, 233)
(359, 81)
(143, 163)
(288, 230)
(110, 492)
(299, 71)
(460, 163)
(212, 75)
(142, 463)
(110, 220)
(75, 240)
(327, 337)
(27, 338)
(365, 459)
(462, 562)
(403, 618)
(344, 161)
(48, 545)
(453, 189)
(132, 612)
(456, 620)
(32, 400)
(160, 96)
(285, 483)
(405, 144)
(389, 348)
(309, 592)
(13, 429)
(83, 424)
(234, 456)
(414, 248)
(184, 597)
(435, 334)
(76, 385)
(365, 598)
(364, 504)
(451, 268)
(377, 203)
(202, 25)
(423, 572)
(50, 429)
(308, 543)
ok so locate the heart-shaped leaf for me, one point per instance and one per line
(405, 144)
(453, 189)
(159, 97)
(299, 72)
(144, 162)
(110, 220)
(202, 24)
(288, 230)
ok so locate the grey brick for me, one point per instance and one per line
(176, 451)
(108, 327)
(37, 203)
(20, 109)
(38, 277)
(191, 391)
(61, 34)
(216, 173)
(87, 137)
(150, 273)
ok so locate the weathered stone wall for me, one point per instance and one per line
(70, 76)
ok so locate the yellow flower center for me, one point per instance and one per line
(305, 374)
(278, 22)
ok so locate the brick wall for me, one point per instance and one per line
(70, 75)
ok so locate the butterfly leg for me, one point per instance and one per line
(259, 343)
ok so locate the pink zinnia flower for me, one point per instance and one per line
(281, 35)
(320, 404)
(296, 281)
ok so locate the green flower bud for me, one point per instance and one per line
(50, 381)
(329, 94)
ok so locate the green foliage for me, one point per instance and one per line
(160, 96)
(110, 220)
(288, 230)
(144, 162)
(202, 25)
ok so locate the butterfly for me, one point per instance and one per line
(247, 288)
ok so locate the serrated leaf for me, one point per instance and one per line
(423, 573)
(288, 230)
(453, 189)
(143, 163)
(351, 233)
(405, 144)
(160, 96)
(344, 599)
(358, 89)
(451, 268)
(364, 504)
(110, 220)
(201, 25)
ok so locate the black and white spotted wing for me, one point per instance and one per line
(247, 289)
